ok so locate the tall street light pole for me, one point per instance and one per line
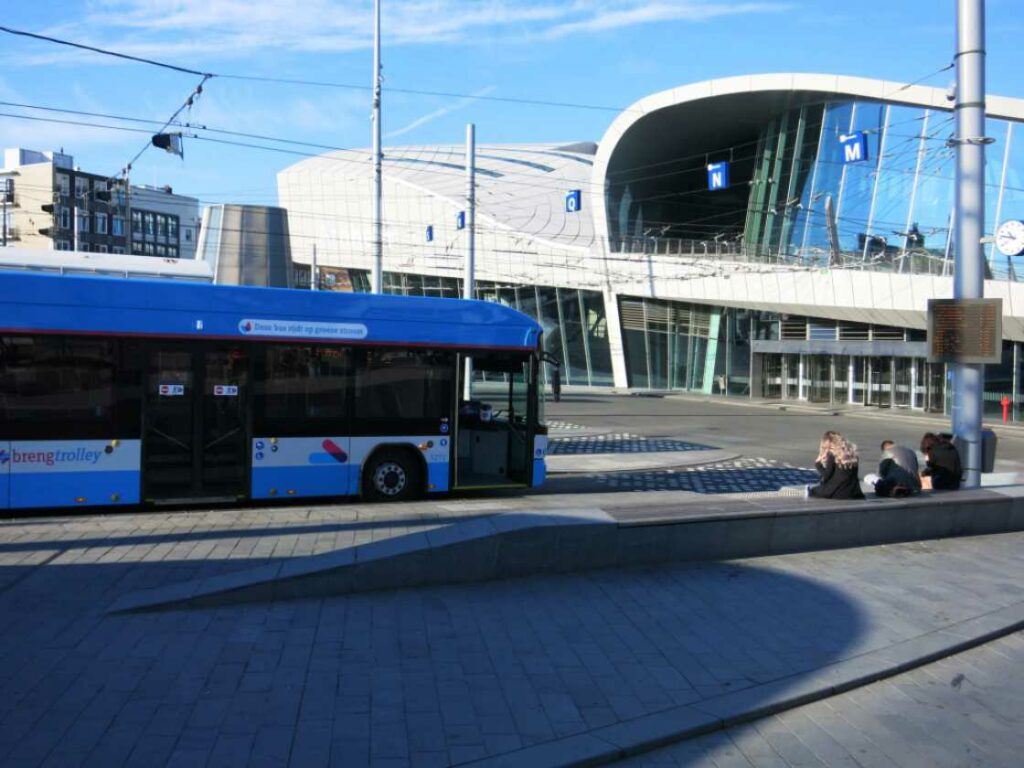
(377, 273)
(968, 269)
(469, 275)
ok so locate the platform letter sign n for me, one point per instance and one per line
(855, 147)
(718, 176)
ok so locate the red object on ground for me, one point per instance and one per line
(1005, 402)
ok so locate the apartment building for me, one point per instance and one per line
(50, 203)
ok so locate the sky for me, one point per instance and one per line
(591, 56)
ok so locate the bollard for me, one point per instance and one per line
(1005, 402)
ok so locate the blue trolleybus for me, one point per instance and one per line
(125, 392)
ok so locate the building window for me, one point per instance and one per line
(172, 228)
(137, 249)
(83, 221)
(137, 223)
(149, 249)
(161, 250)
(63, 184)
(63, 245)
(161, 226)
(118, 250)
(81, 186)
(148, 226)
(188, 235)
(84, 247)
(117, 226)
(65, 217)
(101, 223)
(101, 249)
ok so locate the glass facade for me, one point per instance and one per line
(694, 347)
(574, 321)
(891, 211)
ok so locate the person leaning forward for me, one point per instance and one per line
(897, 471)
(942, 465)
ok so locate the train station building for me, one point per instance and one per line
(770, 236)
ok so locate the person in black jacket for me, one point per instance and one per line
(942, 462)
(838, 466)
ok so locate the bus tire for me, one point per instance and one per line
(392, 474)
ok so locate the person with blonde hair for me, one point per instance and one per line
(837, 464)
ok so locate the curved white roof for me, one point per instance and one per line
(775, 91)
(520, 187)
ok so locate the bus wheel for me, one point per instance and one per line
(391, 476)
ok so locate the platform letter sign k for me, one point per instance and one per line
(718, 176)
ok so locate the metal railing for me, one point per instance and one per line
(911, 261)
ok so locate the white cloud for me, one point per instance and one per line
(441, 112)
(190, 31)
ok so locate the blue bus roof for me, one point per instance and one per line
(110, 306)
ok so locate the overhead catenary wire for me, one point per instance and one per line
(300, 81)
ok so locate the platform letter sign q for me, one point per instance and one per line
(855, 147)
(718, 176)
(573, 201)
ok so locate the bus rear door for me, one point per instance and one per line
(195, 441)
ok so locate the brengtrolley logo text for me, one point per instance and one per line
(59, 456)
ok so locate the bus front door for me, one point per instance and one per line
(494, 439)
(195, 437)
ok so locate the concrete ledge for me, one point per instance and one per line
(632, 737)
(522, 543)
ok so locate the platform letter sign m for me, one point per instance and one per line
(855, 147)
(718, 176)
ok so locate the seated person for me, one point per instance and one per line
(897, 472)
(942, 463)
(837, 464)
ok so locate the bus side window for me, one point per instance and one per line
(58, 387)
(402, 392)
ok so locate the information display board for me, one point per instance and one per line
(966, 331)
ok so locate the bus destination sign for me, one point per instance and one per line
(968, 331)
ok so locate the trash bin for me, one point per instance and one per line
(988, 449)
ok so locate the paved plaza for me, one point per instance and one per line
(965, 710)
(429, 676)
(495, 670)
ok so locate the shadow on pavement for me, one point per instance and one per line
(752, 477)
(461, 672)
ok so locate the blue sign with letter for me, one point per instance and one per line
(460, 220)
(573, 201)
(855, 147)
(718, 176)
(430, 233)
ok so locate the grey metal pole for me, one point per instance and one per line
(469, 276)
(74, 224)
(968, 269)
(314, 284)
(3, 215)
(377, 273)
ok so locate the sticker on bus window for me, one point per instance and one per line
(225, 390)
(172, 390)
